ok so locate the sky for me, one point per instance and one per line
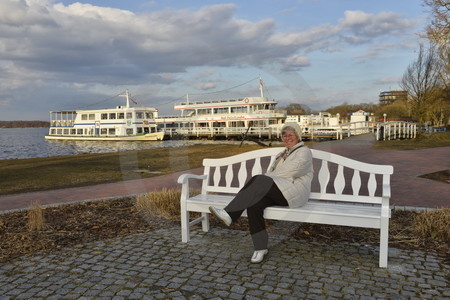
(67, 55)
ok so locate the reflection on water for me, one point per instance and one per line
(30, 142)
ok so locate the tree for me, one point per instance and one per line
(398, 110)
(422, 81)
(297, 109)
(345, 109)
(438, 33)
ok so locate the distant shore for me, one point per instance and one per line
(24, 124)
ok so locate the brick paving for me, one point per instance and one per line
(215, 265)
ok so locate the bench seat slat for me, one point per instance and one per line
(346, 198)
(308, 214)
(200, 203)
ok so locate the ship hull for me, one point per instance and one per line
(156, 136)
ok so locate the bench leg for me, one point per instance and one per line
(384, 240)
(185, 236)
(205, 222)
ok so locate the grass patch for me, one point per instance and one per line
(422, 141)
(433, 225)
(165, 203)
(443, 176)
(36, 220)
(37, 174)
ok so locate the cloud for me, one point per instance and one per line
(70, 47)
(361, 26)
(82, 42)
(206, 86)
(388, 80)
(295, 63)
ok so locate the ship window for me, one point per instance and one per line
(103, 131)
(84, 117)
(112, 116)
(139, 129)
(129, 115)
(139, 115)
(53, 131)
(219, 124)
(129, 131)
(146, 130)
(239, 109)
(148, 115)
(112, 131)
(80, 131)
(73, 131)
(104, 116)
(205, 111)
(66, 131)
(237, 124)
(221, 110)
(59, 131)
(91, 116)
(121, 116)
(258, 123)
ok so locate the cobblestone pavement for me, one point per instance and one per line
(215, 265)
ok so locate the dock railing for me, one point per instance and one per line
(396, 130)
(383, 131)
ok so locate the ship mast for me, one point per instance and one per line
(128, 98)
(261, 87)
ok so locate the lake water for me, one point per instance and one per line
(30, 143)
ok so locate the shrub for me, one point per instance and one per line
(35, 216)
(165, 203)
(433, 225)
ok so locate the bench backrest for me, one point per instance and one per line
(336, 178)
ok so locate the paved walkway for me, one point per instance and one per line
(93, 192)
(215, 265)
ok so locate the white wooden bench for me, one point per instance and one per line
(344, 192)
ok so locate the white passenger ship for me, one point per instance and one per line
(123, 123)
(251, 116)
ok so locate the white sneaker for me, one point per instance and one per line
(258, 256)
(221, 214)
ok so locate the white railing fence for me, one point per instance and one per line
(396, 130)
(356, 128)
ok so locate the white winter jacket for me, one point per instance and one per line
(294, 174)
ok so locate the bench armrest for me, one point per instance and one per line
(184, 181)
(184, 178)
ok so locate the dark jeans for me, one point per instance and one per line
(257, 194)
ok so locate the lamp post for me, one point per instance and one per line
(384, 117)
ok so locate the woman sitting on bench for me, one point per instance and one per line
(287, 183)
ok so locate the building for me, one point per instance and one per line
(388, 97)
